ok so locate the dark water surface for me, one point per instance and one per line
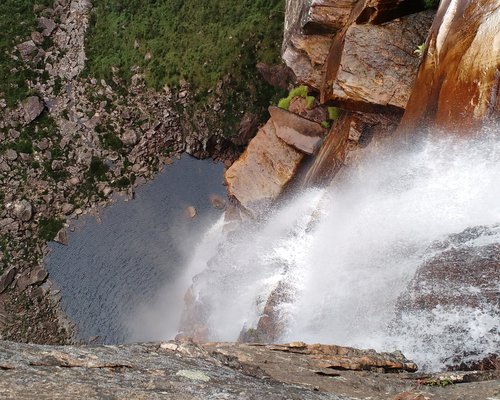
(111, 267)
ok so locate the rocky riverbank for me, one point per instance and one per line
(176, 370)
(71, 146)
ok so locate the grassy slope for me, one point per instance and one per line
(17, 21)
(199, 41)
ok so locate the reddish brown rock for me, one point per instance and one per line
(259, 176)
(306, 56)
(374, 67)
(326, 16)
(332, 153)
(298, 105)
(302, 134)
(458, 83)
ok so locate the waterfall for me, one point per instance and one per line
(348, 252)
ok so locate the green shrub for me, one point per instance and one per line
(326, 124)
(310, 101)
(333, 113)
(111, 141)
(285, 103)
(299, 91)
(431, 3)
(97, 169)
(48, 228)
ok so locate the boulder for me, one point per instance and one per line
(303, 134)
(260, 175)
(298, 105)
(27, 50)
(23, 210)
(373, 67)
(7, 278)
(277, 76)
(191, 212)
(129, 137)
(458, 83)
(47, 26)
(32, 108)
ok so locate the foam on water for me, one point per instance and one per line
(346, 267)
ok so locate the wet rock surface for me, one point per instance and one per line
(458, 84)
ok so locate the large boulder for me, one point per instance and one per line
(457, 87)
(371, 67)
(259, 176)
(32, 108)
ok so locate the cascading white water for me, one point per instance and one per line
(345, 268)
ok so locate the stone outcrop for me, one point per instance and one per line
(260, 175)
(458, 82)
(371, 67)
(300, 133)
(185, 371)
(33, 107)
(306, 56)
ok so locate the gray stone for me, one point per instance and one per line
(23, 210)
(62, 237)
(11, 155)
(32, 107)
(129, 137)
(6, 279)
(27, 49)
(47, 25)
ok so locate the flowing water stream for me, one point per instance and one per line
(347, 253)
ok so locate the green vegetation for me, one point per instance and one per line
(333, 113)
(185, 40)
(174, 40)
(97, 169)
(48, 228)
(326, 124)
(431, 3)
(299, 91)
(419, 51)
(17, 21)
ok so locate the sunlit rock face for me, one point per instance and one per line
(260, 175)
(373, 66)
(458, 83)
